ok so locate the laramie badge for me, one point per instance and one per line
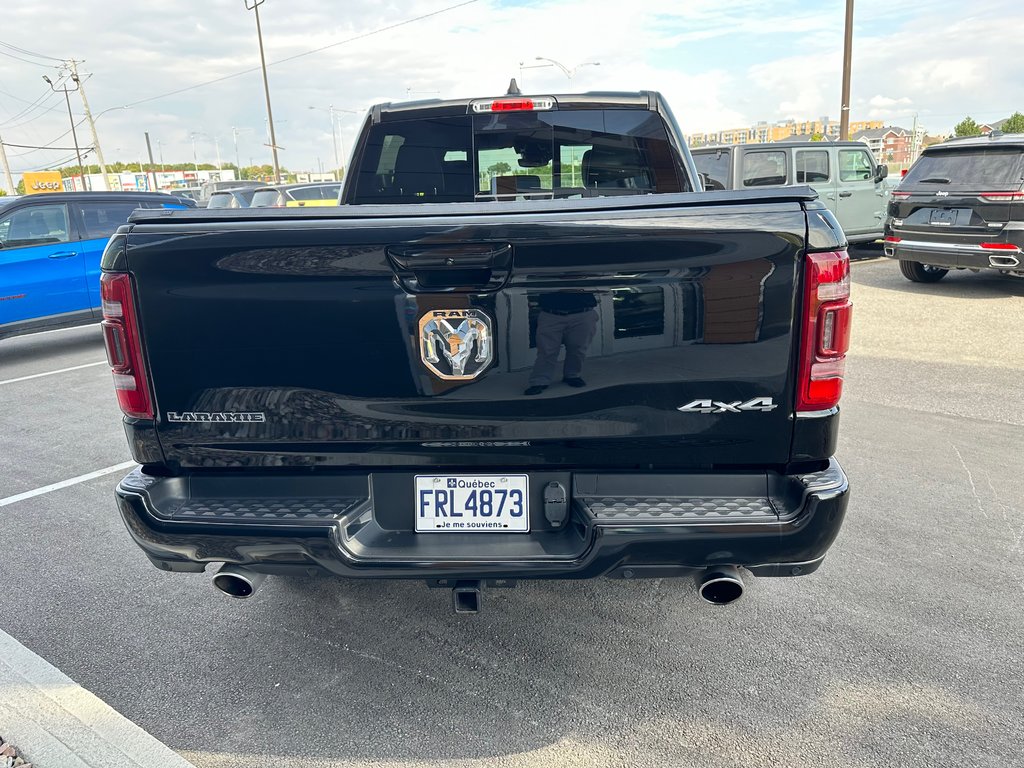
(455, 344)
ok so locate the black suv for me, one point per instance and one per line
(961, 206)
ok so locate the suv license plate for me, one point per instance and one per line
(472, 504)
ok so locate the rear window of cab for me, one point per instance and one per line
(518, 155)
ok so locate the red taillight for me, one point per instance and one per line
(1002, 197)
(124, 345)
(892, 240)
(1000, 247)
(826, 331)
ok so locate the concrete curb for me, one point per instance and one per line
(55, 723)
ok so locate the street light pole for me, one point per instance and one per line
(74, 134)
(569, 73)
(254, 5)
(844, 113)
(334, 138)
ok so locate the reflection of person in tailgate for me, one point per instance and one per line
(568, 318)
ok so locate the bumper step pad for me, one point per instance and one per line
(678, 509)
(263, 510)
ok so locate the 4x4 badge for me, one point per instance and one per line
(763, 404)
(455, 344)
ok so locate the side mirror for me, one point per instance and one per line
(883, 172)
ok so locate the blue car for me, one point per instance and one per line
(50, 248)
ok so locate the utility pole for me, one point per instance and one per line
(149, 150)
(844, 114)
(216, 144)
(11, 189)
(913, 141)
(334, 137)
(254, 5)
(74, 134)
(73, 66)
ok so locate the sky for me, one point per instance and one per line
(720, 63)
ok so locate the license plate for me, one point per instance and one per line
(472, 504)
(943, 218)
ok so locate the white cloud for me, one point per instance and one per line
(720, 63)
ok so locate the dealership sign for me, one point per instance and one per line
(41, 182)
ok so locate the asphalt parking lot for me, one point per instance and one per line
(905, 649)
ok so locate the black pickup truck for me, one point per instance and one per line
(375, 390)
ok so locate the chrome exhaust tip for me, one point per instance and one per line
(1003, 261)
(721, 585)
(235, 581)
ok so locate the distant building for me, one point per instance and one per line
(150, 181)
(763, 132)
(996, 126)
(892, 145)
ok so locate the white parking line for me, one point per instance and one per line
(51, 373)
(66, 483)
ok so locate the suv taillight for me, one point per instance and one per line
(124, 345)
(1002, 197)
(826, 331)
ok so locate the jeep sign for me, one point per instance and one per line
(41, 182)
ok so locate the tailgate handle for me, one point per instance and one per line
(465, 267)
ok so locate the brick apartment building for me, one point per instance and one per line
(766, 132)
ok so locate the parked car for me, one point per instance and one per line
(843, 173)
(207, 189)
(192, 193)
(283, 195)
(239, 197)
(50, 247)
(375, 391)
(960, 207)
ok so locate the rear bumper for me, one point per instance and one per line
(954, 255)
(623, 525)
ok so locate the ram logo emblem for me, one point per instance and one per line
(456, 344)
(762, 404)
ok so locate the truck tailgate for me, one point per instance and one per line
(341, 339)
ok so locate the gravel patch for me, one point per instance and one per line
(9, 757)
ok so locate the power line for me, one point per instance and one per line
(58, 163)
(30, 53)
(304, 53)
(33, 146)
(26, 110)
(40, 106)
(47, 146)
(27, 61)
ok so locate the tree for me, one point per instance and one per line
(818, 137)
(1015, 124)
(967, 127)
(499, 169)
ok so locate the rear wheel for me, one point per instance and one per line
(921, 273)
